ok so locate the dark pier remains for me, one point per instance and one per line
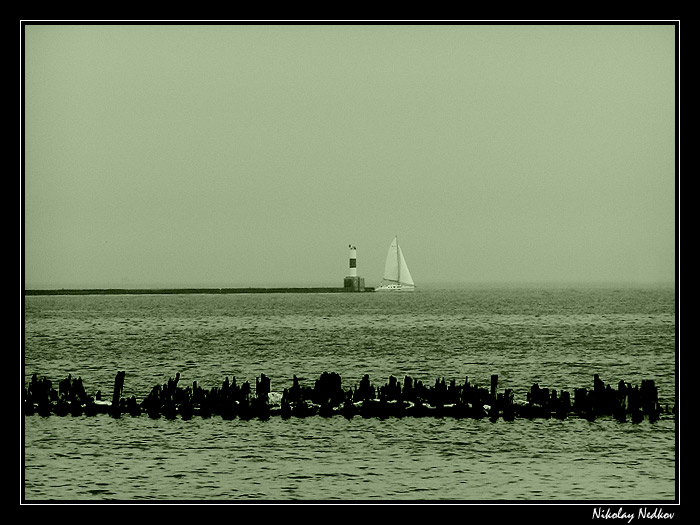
(186, 291)
(328, 398)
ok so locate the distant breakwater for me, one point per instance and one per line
(327, 398)
(155, 291)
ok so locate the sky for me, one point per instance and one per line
(252, 155)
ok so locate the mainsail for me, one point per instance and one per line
(396, 273)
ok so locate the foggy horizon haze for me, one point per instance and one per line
(237, 155)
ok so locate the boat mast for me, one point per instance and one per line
(398, 260)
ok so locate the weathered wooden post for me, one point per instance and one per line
(650, 400)
(563, 405)
(636, 406)
(262, 385)
(580, 400)
(620, 407)
(115, 409)
(508, 409)
(494, 401)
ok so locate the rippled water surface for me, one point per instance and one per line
(558, 338)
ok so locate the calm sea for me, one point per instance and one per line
(556, 337)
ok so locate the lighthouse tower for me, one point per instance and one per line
(352, 282)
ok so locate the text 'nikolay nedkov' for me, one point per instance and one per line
(644, 513)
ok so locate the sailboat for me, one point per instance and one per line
(397, 278)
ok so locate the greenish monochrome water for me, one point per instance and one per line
(556, 337)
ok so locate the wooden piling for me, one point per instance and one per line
(327, 398)
(116, 393)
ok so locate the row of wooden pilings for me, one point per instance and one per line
(326, 398)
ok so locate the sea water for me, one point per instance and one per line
(557, 337)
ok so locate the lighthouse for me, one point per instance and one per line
(352, 282)
(353, 260)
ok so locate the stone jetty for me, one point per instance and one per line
(327, 398)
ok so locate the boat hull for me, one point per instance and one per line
(395, 288)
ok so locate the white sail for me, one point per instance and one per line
(391, 267)
(404, 274)
(397, 276)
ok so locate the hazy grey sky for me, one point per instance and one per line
(240, 155)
